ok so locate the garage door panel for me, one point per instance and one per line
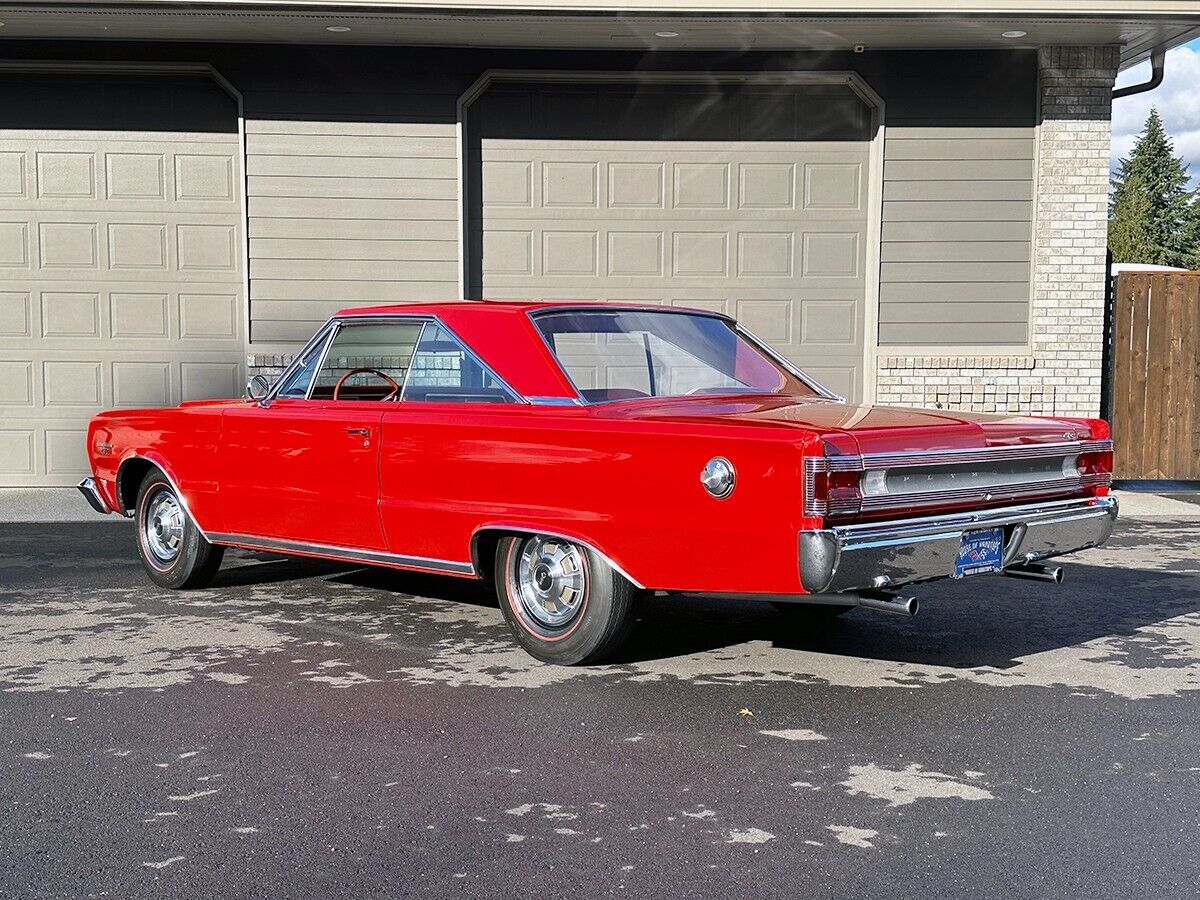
(560, 257)
(660, 195)
(121, 270)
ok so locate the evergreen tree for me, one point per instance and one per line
(1153, 217)
(1128, 225)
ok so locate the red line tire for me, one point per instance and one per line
(171, 548)
(562, 602)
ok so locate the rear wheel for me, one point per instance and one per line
(173, 551)
(563, 603)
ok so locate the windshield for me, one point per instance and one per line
(626, 354)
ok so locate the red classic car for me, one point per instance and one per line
(578, 456)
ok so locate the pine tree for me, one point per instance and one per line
(1153, 217)
(1128, 224)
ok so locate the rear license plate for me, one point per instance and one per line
(980, 552)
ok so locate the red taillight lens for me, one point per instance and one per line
(1095, 469)
(836, 493)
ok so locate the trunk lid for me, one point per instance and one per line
(873, 429)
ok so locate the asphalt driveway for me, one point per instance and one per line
(303, 729)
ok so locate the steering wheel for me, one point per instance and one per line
(395, 387)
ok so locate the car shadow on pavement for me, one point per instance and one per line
(418, 584)
(246, 568)
(991, 622)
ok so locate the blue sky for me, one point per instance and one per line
(1177, 100)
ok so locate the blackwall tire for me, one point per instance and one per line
(563, 603)
(173, 551)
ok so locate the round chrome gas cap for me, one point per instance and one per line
(718, 477)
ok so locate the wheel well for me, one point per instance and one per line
(483, 549)
(129, 479)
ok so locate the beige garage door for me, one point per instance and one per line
(747, 199)
(120, 257)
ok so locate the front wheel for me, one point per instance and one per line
(563, 602)
(173, 551)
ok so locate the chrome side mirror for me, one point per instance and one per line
(257, 388)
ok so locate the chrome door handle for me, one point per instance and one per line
(364, 432)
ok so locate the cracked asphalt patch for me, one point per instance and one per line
(308, 729)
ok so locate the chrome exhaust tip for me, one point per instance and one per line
(905, 606)
(1036, 573)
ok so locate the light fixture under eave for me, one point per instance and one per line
(666, 34)
(1013, 34)
(337, 29)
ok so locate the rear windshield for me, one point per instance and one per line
(628, 354)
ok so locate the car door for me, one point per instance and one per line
(303, 466)
(443, 449)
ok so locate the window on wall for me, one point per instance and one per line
(444, 371)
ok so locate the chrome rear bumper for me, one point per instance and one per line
(885, 554)
(92, 494)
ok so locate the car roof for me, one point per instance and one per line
(498, 307)
(502, 335)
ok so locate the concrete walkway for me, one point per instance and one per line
(66, 505)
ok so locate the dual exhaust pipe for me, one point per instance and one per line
(1036, 572)
(908, 606)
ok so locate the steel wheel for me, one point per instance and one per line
(163, 526)
(551, 581)
(172, 549)
(562, 601)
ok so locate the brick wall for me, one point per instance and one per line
(1062, 374)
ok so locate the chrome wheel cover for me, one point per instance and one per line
(551, 583)
(162, 526)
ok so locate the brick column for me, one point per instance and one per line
(1070, 232)
(1061, 374)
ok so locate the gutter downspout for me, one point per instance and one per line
(1158, 59)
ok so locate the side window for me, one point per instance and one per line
(367, 361)
(444, 372)
(296, 386)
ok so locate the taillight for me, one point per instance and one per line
(831, 491)
(1095, 468)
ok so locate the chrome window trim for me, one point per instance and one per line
(733, 324)
(333, 325)
(786, 364)
(409, 367)
(467, 350)
(321, 333)
(333, 333)
(350, 554)
(556, 401)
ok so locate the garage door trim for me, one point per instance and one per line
(67, 67)
(852, 80)
(199, 70)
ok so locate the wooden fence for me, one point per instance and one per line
(1156, 376)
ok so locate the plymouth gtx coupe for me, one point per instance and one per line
(581, 456)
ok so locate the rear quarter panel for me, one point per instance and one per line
(631, 489)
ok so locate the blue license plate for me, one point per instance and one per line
(980, 552)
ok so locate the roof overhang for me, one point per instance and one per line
(822, 25)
